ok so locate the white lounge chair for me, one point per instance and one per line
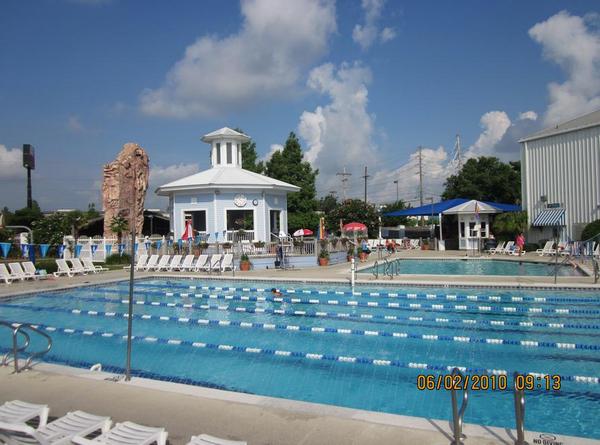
(227, 263)
(163, 263)
(5, 275)
(548, 249)
(205, 439)
(151, 264)
(89, 265)
(59, 432)
(508, 248)
(215, 262)
(29, 269)
(187, 263)
(596, 253)
(175, 262)
(77, 267)
(140, 264)
(497, 249)
(18, 273)
(21, 412)
(202, 263)
(63, 268)
(127, 433)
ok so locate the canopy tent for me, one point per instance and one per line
(442, 207)
(472, 207)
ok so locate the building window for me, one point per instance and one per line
(218, 148)
(198, 218)
(229, 153)
(240, 220)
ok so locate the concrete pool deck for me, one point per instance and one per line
(188, 410)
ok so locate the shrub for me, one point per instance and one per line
(591, 230)
(48, 264)
(531, 247)
(118, 259)
(324, 254)
(244, 257)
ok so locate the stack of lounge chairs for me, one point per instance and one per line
(16, 418)
(172, 263)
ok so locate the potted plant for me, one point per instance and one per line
(226, 246)
(350, 253)
(203, 246)
(245, 262)
(425, 244)
(324, 258)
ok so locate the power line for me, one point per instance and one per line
(365, 176)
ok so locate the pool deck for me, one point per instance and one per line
(188, 410)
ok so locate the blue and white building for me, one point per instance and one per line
(226, 198)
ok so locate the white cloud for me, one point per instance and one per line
(160, 175)
(267, 58)
(367, 34)
(10, 163)
(339, 134)
(530, 115)
(272, 150)
(569, 42)
(74, 124)
(494, 124)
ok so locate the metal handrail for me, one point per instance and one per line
(519, 395)
(19, 328)
(376, 267)
(458, 414)
(596, 264)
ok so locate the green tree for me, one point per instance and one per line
(508, 225)
(25, 216)
(327, 203)
(52, 229)
(288, 165)
(486, 179)
(591, 230)
(119, 225)
(91, 212)
(249, 156)
(354, 210)
(392, 221)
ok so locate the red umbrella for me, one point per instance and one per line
(188, 232)
(354, 227)
(303, 232)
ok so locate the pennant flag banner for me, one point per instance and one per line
(94, 247)
(31, 252)
(180, 243)
(24, 250)
(121, 249)
(5, 249)
(108, 249)
(217, 236)
(135, 247)
(44, 250)
(78, 250)
(198, 239)
(60, 250)
(169, 243)
(159, 244)
(148, 244)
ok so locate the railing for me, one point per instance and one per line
(20, 328)
(239, 235)
(458, 414)
(519, 395)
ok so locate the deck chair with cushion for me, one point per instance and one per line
(18, 273)
(89, 265)
(175, 262)
(227, 263)
(58, 432)
(78, 266)
(21, 412)
(63, 268)
(163, 263)
(508, 248)
(205, 439)
(5, 275)
(187, 263)
(202, 263)
(215, 262)
(127, 433)
(151, 264)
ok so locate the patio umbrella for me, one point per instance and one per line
(303, 232)
(354, 227)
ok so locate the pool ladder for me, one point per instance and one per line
(458, 413)
(25, 330)
(389, 268)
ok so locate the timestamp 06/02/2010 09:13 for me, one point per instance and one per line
(484, 382)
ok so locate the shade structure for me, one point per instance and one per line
(188, 232)
(441, 207)
(354, 227)
(473, 206)
(550, 218)
(303, 232)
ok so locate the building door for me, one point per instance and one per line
(274, 224)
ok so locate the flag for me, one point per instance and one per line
(78, 250)
(5, 249)
(477, 210)
(108, 249)
(44, 249)
(94, 247)
(60, 250)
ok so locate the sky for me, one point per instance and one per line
(363, 83)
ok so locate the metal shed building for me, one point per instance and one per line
(560, 168)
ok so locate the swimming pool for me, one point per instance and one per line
(322, 344)
(477, 267)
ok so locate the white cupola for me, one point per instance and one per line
(226, 147)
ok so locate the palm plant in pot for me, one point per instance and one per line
(324, 258)
(245, 262)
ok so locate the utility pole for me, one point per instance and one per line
(421, 179)
(457, 154)
(365, 176)
(397, 191)
(344, 176)
(29, 164)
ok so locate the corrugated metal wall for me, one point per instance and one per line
(566, 169)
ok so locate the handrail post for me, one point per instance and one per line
(519, 395)
(352, 272)
(458, 414)
(15, 348)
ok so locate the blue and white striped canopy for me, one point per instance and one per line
(550, 218)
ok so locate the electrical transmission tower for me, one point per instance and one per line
(457, 156)
(344, 176)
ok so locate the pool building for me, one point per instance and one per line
(227, 201)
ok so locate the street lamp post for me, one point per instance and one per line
(397, 192)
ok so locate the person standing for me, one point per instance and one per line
(520, 242)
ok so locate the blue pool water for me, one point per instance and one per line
(478, 267)
(323, 344)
